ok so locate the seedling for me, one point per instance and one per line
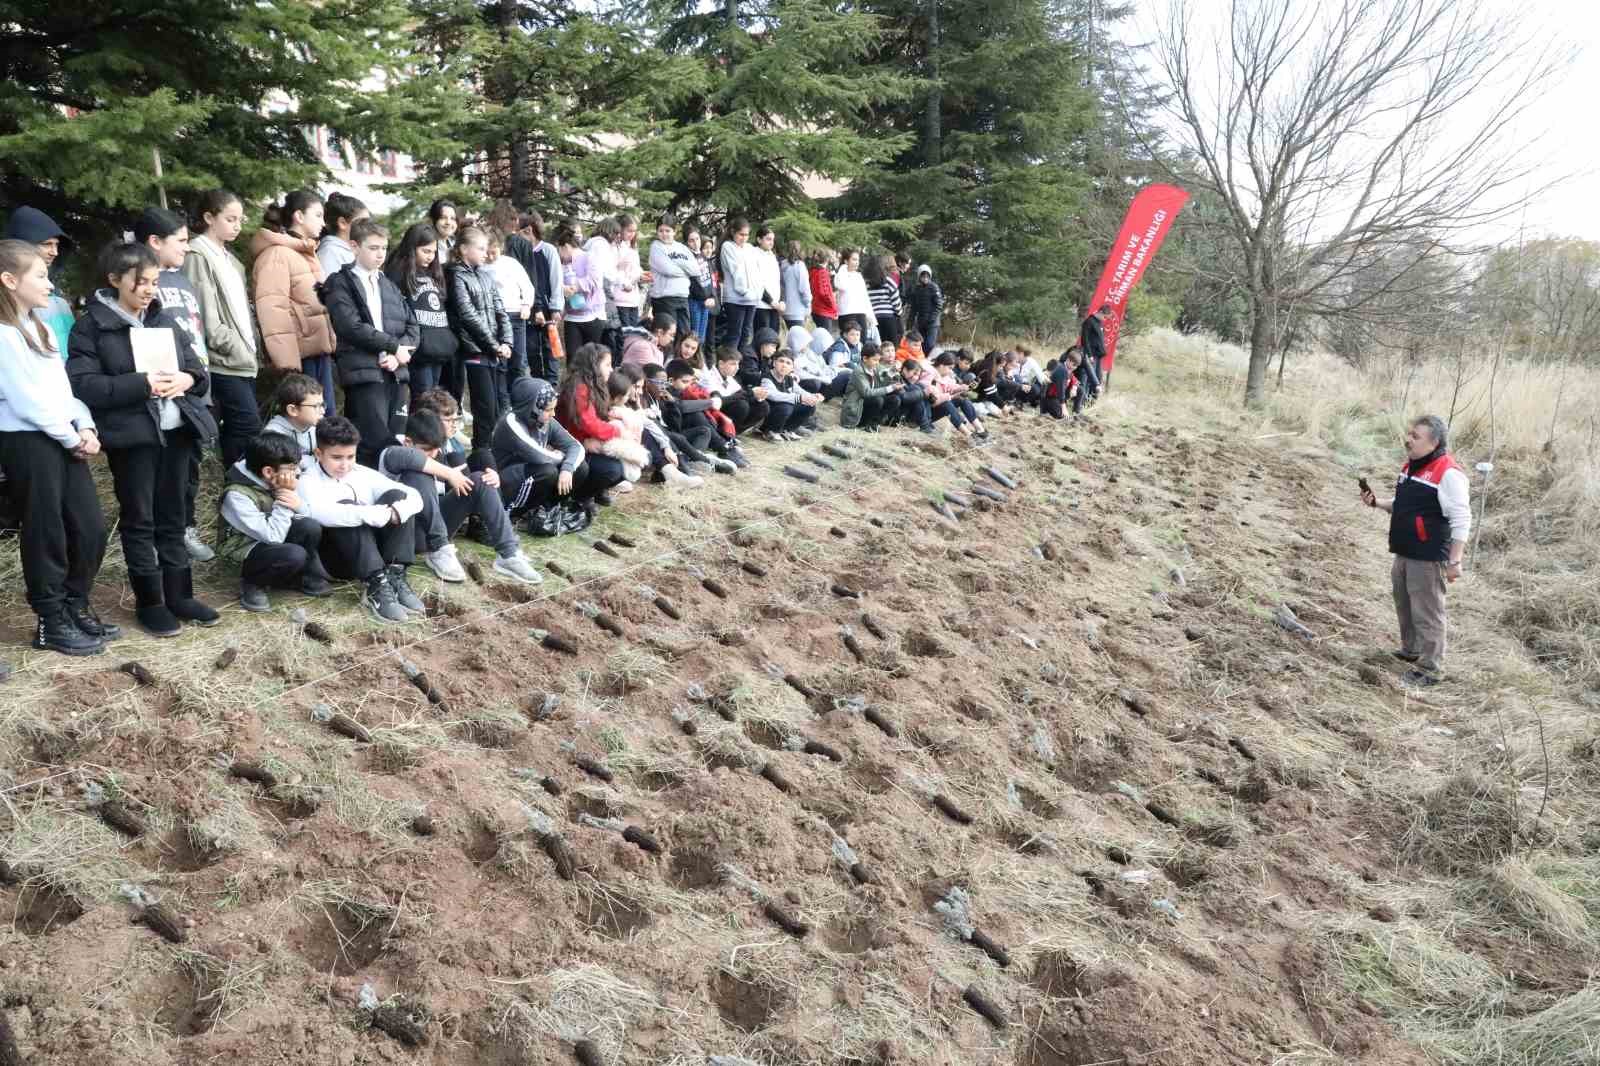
(873, 627)
(605, 549)
(139, 674)
(340, 723)
(804, 475)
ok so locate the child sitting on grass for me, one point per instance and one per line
(628, 415)
(791, 405)
(910, 347)
(450, 493)
(541, 465)
(368, 522)
(690, 412)
(873, 395)
(300, 404)
(949, 397)
(266, 527)
(812, 369)
(747, 408)
(654, 399)
(915, 403)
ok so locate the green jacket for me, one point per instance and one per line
(232, 544)
(230, 341)
(864, 383)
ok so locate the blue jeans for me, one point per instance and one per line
(699, 320)
(930, 335)
(319, 368)
(518, 367)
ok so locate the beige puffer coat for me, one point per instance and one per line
(294, 323)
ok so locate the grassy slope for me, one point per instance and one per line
(1427, 861)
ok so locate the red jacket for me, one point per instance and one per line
(588, 425)
(723, 423)
(822, 303)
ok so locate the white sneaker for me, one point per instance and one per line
(446, 564)
(699, 469)
(621, 488)
(677, 479)
(518, 568)
(198, 550)
(725, 466)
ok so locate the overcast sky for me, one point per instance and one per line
(1569, 116)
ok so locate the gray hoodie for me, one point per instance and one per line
(306, 438)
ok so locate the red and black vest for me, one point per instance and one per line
(1418, 528)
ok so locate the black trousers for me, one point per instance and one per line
(443, 513)
(524, 486)
(767, 318)
(540, 362)
(361, 551)
(374, 408)
(688, 449)
(699, 431)
(746, 412)
(424, 376)
(675, 306)
(876, 410)
(286, 565)
(738, 325)
(151, 484)
(889, 329)
(489, 388)
(577, 334)
(63, 531)
(860, 320)
(786, 416)
(913, 405)
(238, 417)
(831, 388)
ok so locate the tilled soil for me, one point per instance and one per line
(1034, 780)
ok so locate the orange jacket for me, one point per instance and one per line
(294, 323)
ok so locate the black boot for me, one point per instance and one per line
(178, 587)
(57, 631)
(85, 618)
(150, 606)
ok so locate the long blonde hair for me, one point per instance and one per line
(16, 257)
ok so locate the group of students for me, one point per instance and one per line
(586, 376)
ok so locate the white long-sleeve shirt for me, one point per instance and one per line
(350, 501)
(1454, 489)
(516, 288)
(715, 382)
(35, 394)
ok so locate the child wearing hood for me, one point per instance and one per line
(540, 463)
(756, 362)
(823, 364)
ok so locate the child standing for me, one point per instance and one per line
(702, 287)
(927, 308)
(377, 333)
(416, 270)
(230, 332)
(672, 268)
(884, 291)
(517, 295)
(542, 262)
(149, 424)
(824, 311)
(741, 289)
(850, 292)
(368, 522)
(167, 235)
(873, 393)
(582, 290)
(769, 280)
(265, 526)
(295, 330)
(484, 330)
(797, 295)
(47, 436)
(630, 277)
(337, 249)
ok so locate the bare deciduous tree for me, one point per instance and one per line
(1351, 142)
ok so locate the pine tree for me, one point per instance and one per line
(995, 167)
(565, 110)
(223, 89)
(786, 96)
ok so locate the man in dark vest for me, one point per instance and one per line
(1092, 340)
(1428, 527)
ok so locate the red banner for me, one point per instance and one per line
(1149, 218)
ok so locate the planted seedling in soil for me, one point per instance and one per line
(836, 451)
(753, 570)
(845, 591)
(804, 475)
(555, 642)
(557, 569)
(121, 819)
(816, 460)
(252, 771)
(668, 608)
(817, 747)
(999, 478)
(956, 909)
(951, 811)
(848, 859)
(154, 915)
(139, 674)
(835, 531)
(957, 499)
(715, 587)
(605, 549)
(848, 635)
(641, 840)
(873, 627)
(593, 767)
(552, 843)
(401, 1023)
(984, 1006)
(775, 777)
(877, 718)
(341, 723)
(1242, 748)
(944, 511)
(423, 684)
(318, 632)
(587, 1052)
(990, 494)
(784, 920)
(226, 659)
(623, 542)
(422, 825)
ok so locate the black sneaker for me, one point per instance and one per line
(604, 499)
(737, 458)
(378, 599)
(1405, 656)
(1418, 679)
(254, 598)
(316, 585)
(57, 631)
(403, 592)
(84, 617)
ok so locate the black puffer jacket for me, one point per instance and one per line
(476, 313)
(361, 341)
(101, 369)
